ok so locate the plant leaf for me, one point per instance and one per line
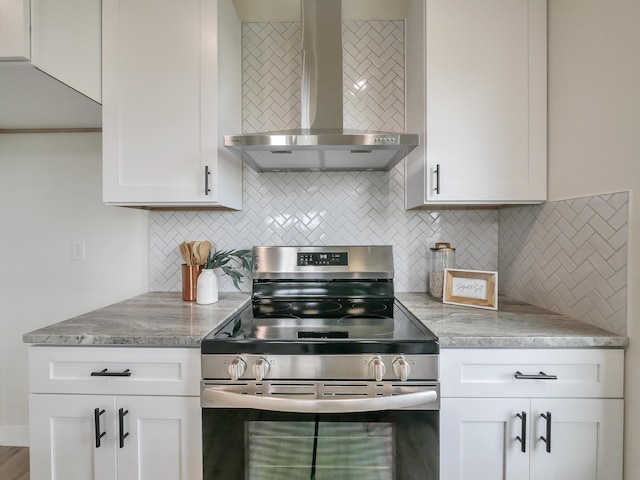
(231, 262)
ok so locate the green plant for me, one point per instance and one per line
(230, 261)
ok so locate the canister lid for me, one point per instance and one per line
(443, 247)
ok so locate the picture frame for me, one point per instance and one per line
(471, 288)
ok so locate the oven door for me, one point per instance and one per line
(258, 443)
(241, 444)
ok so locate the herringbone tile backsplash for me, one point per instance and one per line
(373, 76)
(569, 256)
(271, 76)
(326, 208)
(337, 208)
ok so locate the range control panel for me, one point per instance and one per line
(323, 259)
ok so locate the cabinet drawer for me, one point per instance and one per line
(493, 373)
(114, 370)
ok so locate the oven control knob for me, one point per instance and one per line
(401, 368)
(261, 369)
(377, 368)
(237, 368)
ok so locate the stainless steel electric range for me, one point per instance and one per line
(323, 375)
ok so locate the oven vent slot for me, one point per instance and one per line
(291, 394)
(343, 394)
(350, 390)
(292, 389)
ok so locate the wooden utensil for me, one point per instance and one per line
(192, 260)
(196, 253)
(204, 249)
(184, 251)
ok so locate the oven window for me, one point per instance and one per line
(319, 450)
(244, 444)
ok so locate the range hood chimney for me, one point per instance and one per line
(322, 143)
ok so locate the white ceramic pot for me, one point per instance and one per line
(207, 291)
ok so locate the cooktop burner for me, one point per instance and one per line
(322, 300)
(289, 334)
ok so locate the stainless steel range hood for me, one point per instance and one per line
(322, 143)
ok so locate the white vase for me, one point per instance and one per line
(207, 291)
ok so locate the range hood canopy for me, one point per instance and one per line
(322, 143)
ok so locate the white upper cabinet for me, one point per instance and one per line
(14, 30)
(476, 87)
(50, 64)
(66, 43)
(171, 88)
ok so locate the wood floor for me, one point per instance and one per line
(14, 463)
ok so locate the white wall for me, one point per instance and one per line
(594, 139)
(51, 194)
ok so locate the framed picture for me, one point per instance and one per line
(472, 288)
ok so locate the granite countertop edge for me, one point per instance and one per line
(516, 324)
(162, 319)
(154, 319)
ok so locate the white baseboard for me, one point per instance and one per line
(14, 435)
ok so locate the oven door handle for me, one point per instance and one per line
(224, 398)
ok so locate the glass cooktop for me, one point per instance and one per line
(293, 331)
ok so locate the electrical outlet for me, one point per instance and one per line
(78, 251)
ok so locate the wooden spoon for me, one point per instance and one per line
(191, 259)
(196, 253)
(184, 251)
(204, 249)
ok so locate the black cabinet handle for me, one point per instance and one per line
(121, 413)
(106, 373)
(437, 188)
(207, 172)
(547, 440)
(538, 376)
(522, 438)
(96, 420)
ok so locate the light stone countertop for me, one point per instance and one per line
(163, 319)
(514, 324)
(160, 319)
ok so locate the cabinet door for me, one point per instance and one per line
(14, 30)
(63, 437)
(161, 141)
(586, 439)
(66, 43)
(164, 438)
(485, 118)
(478, 439)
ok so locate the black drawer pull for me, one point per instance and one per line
(96, 420)
(207, 173)
(106, 373)
(121, 413)
(538, 376)
(547, 439)
(522, 438)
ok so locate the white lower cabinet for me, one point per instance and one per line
(481, 439)
(477, 439)
(157, 438)
(586, 439)
(63, 435)
(87, 434)
(500, 427)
